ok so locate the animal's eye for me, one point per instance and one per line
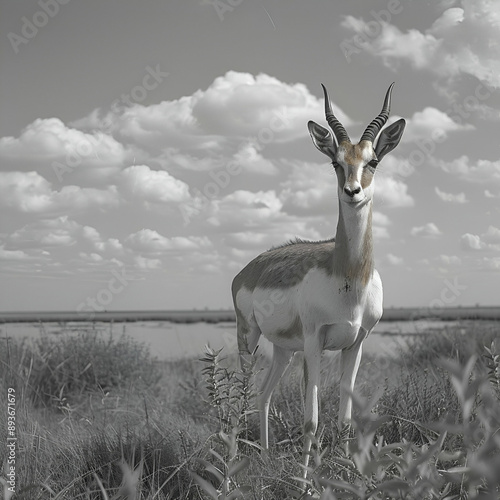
(335, 165)
(372, 164)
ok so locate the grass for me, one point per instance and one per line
(98, 418)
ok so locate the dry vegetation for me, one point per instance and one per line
(97, 418)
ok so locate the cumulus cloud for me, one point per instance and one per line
(429, 230)
(394, 260)
(61, 231)
(479, 171)
(67, 150)
(490, 240)
(472, 242)
(309, 189)
(154, 185)
(450, 260)
(393, 193)
(459, 198)
(458, 42)
(237, 106)
(431, 124)
(31, 193)
(246, 209)
(13, 255)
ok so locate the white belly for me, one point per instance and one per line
(332, 308)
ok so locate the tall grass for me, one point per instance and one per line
(98, 418)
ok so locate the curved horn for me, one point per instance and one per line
(377, 123)
(337, 127)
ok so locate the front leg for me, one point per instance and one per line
(312, 361)
(349, 365)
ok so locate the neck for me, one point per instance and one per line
(353, 258)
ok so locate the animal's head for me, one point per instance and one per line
(355, 164)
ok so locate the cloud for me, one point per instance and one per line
(431, 124)
(451, 198)
(490, 240)
(147, 263)
(480, 171)
(462, 40)
(394, 260)
(472, 242)
(13, 255)
(150, 241)
(393, 193)
(31, 193)
(235, 107)
(429, 230)
(59, 232)
(450, 260)
(394, 46)
(67, 150)
(244, 209)
(154, 185)
(309, 189)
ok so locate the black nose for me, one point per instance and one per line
(352, 192)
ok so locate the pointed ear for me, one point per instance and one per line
(389, 138)
(322, 139)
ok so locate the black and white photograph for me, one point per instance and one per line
(249, 249)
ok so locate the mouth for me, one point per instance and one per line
(356, 203)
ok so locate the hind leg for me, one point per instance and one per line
(248, 333)
(281, 359)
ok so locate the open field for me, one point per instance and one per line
(213, 316)
(97, 417)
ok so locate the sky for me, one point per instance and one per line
(149, 150)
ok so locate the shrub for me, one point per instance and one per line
(54, 370)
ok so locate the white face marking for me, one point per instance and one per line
(353, 173)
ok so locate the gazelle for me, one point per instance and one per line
(311, 296)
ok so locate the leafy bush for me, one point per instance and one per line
(54, 370)
(430, 431)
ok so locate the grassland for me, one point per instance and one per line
(98, 418)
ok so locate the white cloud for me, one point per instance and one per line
(30, 192)
(480, 171)
(490, 240)
(462, 40)
(150, 241)
(451, 198)
(450, 260)
(248, 159)
(429, 230)
(490, 263)
(472, 242)
(61, 231)
(146, 263)
(246, 209)
(67, 150)
(394, 260)
(380, 219)
(431, 124)
(392, 193)
(260, 109)
(14, 255)
(154, 185)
